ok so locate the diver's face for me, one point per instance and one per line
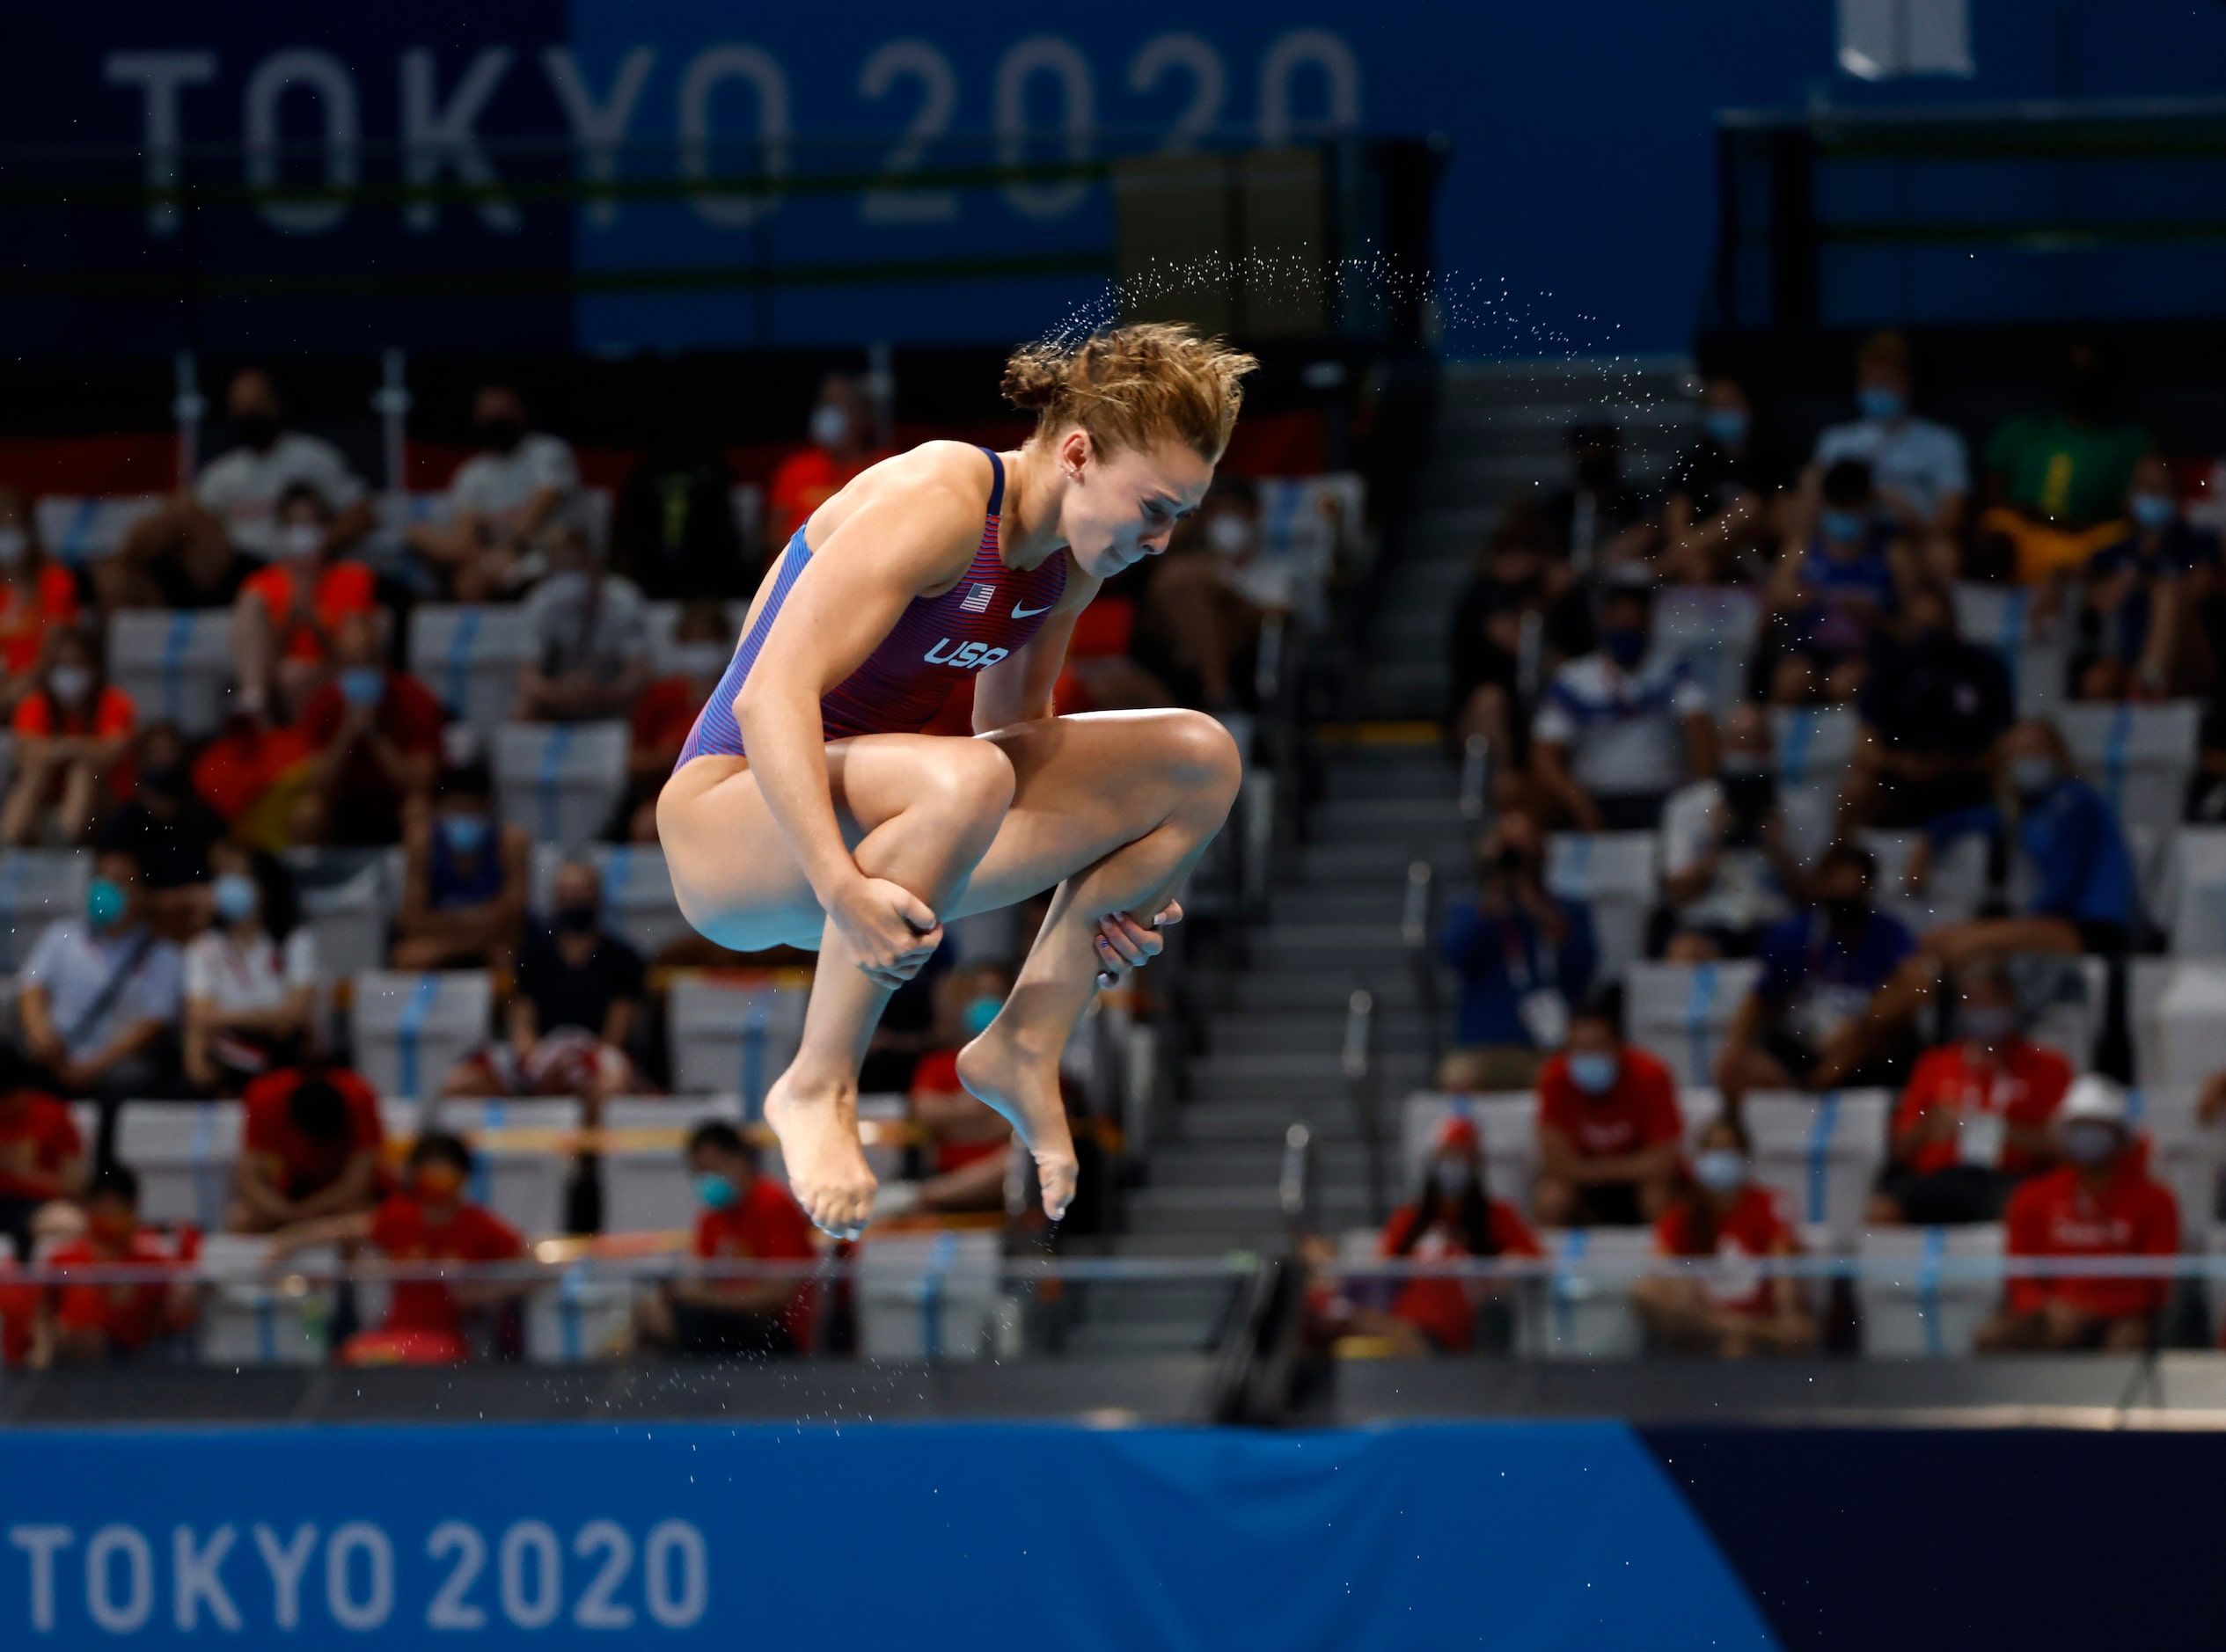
(1122, 507)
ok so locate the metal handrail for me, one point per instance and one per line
(1295, 1190)
(1476, 781)
(1417, 923)
(1362, 1090)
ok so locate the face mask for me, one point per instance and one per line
(14, 544)
(1841, 526)
(714, 1192)
(980, 1013)
(71, 684)
(257, 431)
(574, 920)
(436, 1184)
(1727, 426)
(236, 896)
(302, 540)
(1626, 647)
(2030, 777)
(1593, 1072)
(830, 425)
(1452, 1178)
(103, 902)
(1878, 402)
(1721, 1169)
(1229, 535)
(1848, 913)
(499, 435)
(2089, 1142)
(2154, 510)
(1749, 796)
(1988, 1023)
(464, 834)
(701, 659)
(362, 685)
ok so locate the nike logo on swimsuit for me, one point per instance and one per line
(1028, 613)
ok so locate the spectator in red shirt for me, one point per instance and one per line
(309, 1148)
(38, 599)
(376, 733)
(43, 1157)
(1723, 1214)
(1973, 1121)
(94, 1321)
(809, 477)
(746, 1215)
(703, 641)
(1608, 1127)
(427, 1220)
(2101, 1201)
(1451, 1216)
(72, 733)
(285, 616)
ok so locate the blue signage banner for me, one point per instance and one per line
(926, 1537)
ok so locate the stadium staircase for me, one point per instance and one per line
(1275, 1054)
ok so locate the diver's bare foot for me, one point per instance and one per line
(818, 1130)
(1025, 1089)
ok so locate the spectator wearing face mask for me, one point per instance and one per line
(841, 447)
(2101, 1201)
(464, 880)
(1824, 1014)
(1977, 1116)
(703, 641)
(427, 1220)
(288, 612)
(1609, 1127)
(1205, 600)
(969, 1146)
(98, 998)
(1722, 508)
(746, 1217)
(592, 634)
(377, 735)
(1933, 708)
(1832, 600)
(72, 734)
(164, 824)
(310, 1147)
(499, 500)
(578, 1000)
(250, 978)
(1722, 1212)
(1599, 520)
(2085, 898)
(1726, 872)
(2140, 594)
(1621, 729)
(93, 1322)
(1524, 955)
(1922, 469)
(1522, 613)
(198, 552)
(1451, 1216)
(38, 599)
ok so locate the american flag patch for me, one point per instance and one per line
(978, 599)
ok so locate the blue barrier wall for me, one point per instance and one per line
(925, 1537)
(1579, 211)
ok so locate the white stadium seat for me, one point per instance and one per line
(523, 1182)
(1682, 1011)
(732, 1037)
(2139, 757)
(647, 1187)
(1579, 1316)
(1815, 745)
(185, 1153)
(77, 529)
(1614, 873)
(2003, 619)
(931, 1295)
(1917, 1306)
(410, 1029)
(176, 664)
(664, 618)
(38, 886)
(1820, 1154)
(561, 781)
(470, 657)
(1713, 628)
(2195, 908)
(1508, 1125)
(249, 1320)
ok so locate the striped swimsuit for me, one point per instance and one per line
(988, 615)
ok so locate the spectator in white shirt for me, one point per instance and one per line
(518, 484)
(1726, 872)
(243, 487)
(1606, 744)
(250, 979)
(1922, 470)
